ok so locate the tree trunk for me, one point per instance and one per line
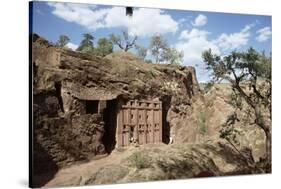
(156, 59)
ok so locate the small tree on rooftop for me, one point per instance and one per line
(87, 44)
(162, 52)
(173, 56)
(157, 46)
(246, 68)
(141, 51)
(124, 42)
(104, 47)
(62, 41)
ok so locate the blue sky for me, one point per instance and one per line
(189, 31)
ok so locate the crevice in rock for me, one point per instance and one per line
(58, 94)
(166, 105)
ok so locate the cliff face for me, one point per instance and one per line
(218, 110)
(68, 84)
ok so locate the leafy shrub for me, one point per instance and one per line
(148, 61)
(235, 100)
(208, 87)
(140, 161)
(202, 122)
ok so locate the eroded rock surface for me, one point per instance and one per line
(72, 90)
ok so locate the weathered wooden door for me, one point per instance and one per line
(139, 122)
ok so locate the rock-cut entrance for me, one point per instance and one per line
(139, 121)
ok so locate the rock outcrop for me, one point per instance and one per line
(67, 123)
(75, 108)
(218, 108)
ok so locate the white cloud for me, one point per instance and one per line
(182, 20)
(145, 22)
(193, 43)
(234, 40)
(72, 46)
(194, 33)
(200, 20)
(263, 34)
(193, 48)
(81, 14)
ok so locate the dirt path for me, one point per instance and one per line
(77, 174)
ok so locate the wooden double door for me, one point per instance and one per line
(139, 121)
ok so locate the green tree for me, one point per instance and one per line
(124, 42)
(87, 44)
(62, 41)
(104, 47)
(172, 56)
(141, 51)
(148, 61)
(157, 46)
(246, 68)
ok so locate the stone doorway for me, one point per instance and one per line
(109, 118)
(139, 121)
